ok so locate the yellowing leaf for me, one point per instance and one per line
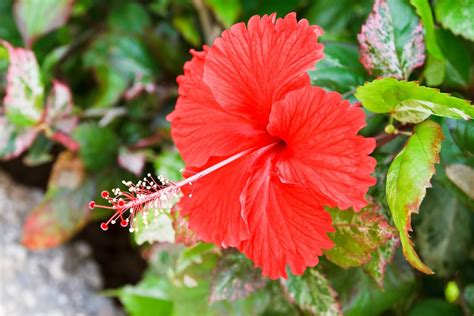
(407, 179)
(410, 103)
(64, 209)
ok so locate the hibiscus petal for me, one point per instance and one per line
(287, 226)
(200, 127)
(249, 68)
(324, 151)
(212, 203)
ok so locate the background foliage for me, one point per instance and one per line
(89, 96)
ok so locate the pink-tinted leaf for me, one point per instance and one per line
(37, 17)
(59, 109)
(24, 93)
(380, 258)
(133, 161)
(64, 209)
(357, 235)
(235, 278)
(14, 140)
(389, 45)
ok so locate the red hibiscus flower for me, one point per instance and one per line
(265, 151)
(268, 150)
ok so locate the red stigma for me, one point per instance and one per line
(104, 226)
(104, 194)
(124, 223)
(91, 205)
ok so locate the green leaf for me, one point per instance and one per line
(444, 231)
(186, 25)
(340, 20)
(391, 40)
(37, 17)
(194, 265)
(468, 296)
(312, 293)
(360, 296)
(24, 92)
(435, 66)
(357, 235)
(410, 103)
(169, 164)
(435, 307)
(64, 211)
(458, 59)
(381, 257)
(98, 145)
(340, 70)
(226, 11)
(235, 278)
(407, 179)
(463, 135)
(117, 60)
(147, 298)
(128, 18)
(457, 15)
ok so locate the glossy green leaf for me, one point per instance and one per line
(235, 278)
(37, 17)
(435, 65)
(459, 59)
(391, 40)
(360, 295)
(457, 15)
(435, 307)
(313, 293)
(147, 298)
(357, 235)
(186, 25)
(443, 235)
(23, 101)
(340, 70)
(407, 179)
(410, 103)
(98, 145)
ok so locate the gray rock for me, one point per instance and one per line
(60, 281)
